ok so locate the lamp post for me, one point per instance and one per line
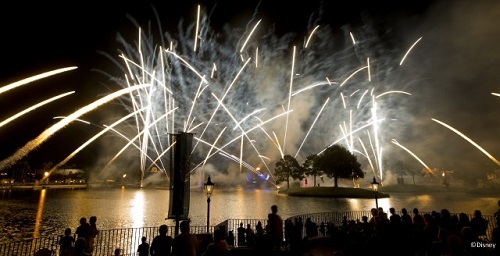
(123, 179)
(209, 189)
(375, 190)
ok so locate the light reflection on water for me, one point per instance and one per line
(138, 209)
(44, 212)
(39, 213)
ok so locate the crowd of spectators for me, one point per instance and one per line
(402, 233)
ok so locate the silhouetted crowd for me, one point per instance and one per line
(82, 242)
(402, 233)
(435, 233)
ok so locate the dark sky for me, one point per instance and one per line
(40, 37)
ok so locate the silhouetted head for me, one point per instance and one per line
(83, 220)
(163, 229)
(445, 214)
(80, 244)
(274, 208)
(93, 219)
(218, 235)
(185, 226)
(404, 211)
(143, 239)
(477, 213)
(392, 210)
(67, 231)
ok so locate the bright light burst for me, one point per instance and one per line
(302, 90)
(279, 98)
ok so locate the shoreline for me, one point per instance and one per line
(332, 192)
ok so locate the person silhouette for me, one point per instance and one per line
(66, 243)
(162, 243)
(143, 248)
(94, 231)
(219, 246)
(275, 224)
(230, 238)
(83, 230)
(81, 247)
(185, 244)
(241, 234)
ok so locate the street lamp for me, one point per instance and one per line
(209, 189)
(46, 177)
(375, 189)
(123, 179)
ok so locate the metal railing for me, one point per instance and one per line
(125, 239)
(234, 224)
(336, 218)
(128, 239)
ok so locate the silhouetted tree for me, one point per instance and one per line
(310, 168)
(337, 162)
(286, 168)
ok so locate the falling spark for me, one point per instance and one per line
(469, 140)
(352, 38)
(369, 71)
(45, 135)
(310, 128)
(345, 135)
(404, 57)
(221, 100)
(34, 78)
(257, 57)
(367, 156)
(103, 131)
(6, 121)
(212, 147)
(411, 153)
(349, 77)
(197, 27)
(389, 92)
(361, 99)
(289, 98)
(310, 36)
(248, 37)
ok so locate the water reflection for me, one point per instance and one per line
(47, 212)
(137, 210)
(39, 213)
(355, 204)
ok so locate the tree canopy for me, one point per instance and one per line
(286, 168)
(338, 163)
(310, 168)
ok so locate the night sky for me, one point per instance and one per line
(457, 64)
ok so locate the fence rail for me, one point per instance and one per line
(336, 218)
(125, 239)
(128, 239)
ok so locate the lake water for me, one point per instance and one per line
(34, 213)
